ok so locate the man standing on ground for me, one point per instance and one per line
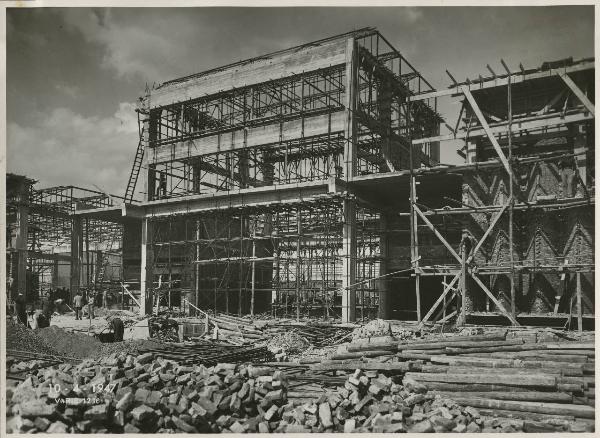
(20, 309)
(78, 304)
(117, 326)
(48, 307)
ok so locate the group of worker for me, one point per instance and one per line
(40, 318)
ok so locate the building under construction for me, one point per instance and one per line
(308, 182)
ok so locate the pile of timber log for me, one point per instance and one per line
(208, 353)
(508, 377)
(317, 334)
(242, 330)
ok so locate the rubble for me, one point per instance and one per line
(21, 338)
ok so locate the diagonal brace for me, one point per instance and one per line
(447, 288)
(494, 299)
(487, 129)
(437, 234)
(489, 230)
(577, 91)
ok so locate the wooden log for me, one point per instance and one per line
(568, 387)
(534, 355)
(565, 368)
(484, 337)
(578, 411)
(235, 333)
(552, 419)
(589, 368)
(571, 346)
(457, 344)
(359, 354)
(472, 387)
(305, 394)
(414, 356)
(539, 396)
(365, 366)
(432, 368)
(540, 381)
(423, 351)
(590, 381)
(575, 380)
(369, 346)
(588, 353)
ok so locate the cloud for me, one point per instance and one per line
(70, 90)
(136, 48)
(66, 148)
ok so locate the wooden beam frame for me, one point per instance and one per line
(447, 288)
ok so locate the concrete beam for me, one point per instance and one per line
(272, 134)
(251, 72)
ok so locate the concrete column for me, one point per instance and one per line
(76, 255)
(55, 274)
(21, 244)
(383, 284)
(147, 271)
(350, 103)
(349, 261)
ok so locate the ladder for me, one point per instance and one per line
(135, 169)
(104, 264)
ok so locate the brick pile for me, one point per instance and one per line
(141, 394)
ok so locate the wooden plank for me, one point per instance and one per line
(251, 137)
(253, 72)
(495, 300)
(437, 234)
(577, 92)
(486, 127)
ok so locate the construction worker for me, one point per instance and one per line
(78, 304)
(118, 329)
(47, 306)
(91, 299)
(20, 309)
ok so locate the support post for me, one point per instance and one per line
(197, 267)
(349, 261)
(253, 271)
(511, 208)
(298, 261)
(76, 255)
(147, 271)
(462, 297)
(579, 309)
(384, 283)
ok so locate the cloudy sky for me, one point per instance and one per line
(74, 74)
